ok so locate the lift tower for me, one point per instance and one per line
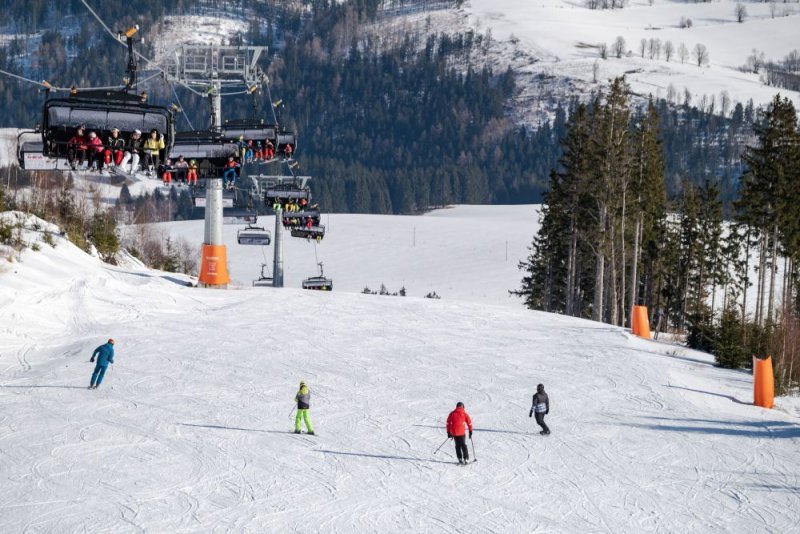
(211, 69)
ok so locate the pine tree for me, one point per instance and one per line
(771, 195)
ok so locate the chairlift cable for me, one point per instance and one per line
(145, 58)
(183, 111)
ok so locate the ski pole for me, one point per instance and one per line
(290, 413)
(440, 446)
(474, 456)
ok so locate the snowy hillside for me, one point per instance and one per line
(563, 36)
(189, 430)
(553, 45)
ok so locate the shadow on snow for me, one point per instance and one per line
(729, 397)
(749, 429)
(384, 457)
(476, 429)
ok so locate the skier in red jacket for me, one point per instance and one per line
(456, 421)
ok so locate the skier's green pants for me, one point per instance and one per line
(302, 414)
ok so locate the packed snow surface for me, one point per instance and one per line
(189, 432)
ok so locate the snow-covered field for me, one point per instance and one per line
(464, 252)
(190, 430)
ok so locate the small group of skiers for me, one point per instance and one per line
(185, 172)
(115, 151)
(251, 150)
(458, 425)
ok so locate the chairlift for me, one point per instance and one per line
(249, 129)
(286, 192)
(263, 280)
(285, 138)
(254, 235)
(315, 232)
(319, 283)
(99, 111)
(208, 148)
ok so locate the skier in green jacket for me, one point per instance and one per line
(303, 399)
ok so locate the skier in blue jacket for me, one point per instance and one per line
(105, 356)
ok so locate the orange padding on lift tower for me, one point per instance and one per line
(214, 266)
(641, 324)
(763, 383)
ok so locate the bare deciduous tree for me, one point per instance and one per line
(700, 53)
(603, 50)
(671, 93)
(618, 47)
(642, 47)
(669, 50)
(683, 52)
(740, 12)
(724, 103)
(755, 61)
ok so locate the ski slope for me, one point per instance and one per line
(189, 431)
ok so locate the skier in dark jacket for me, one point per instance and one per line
(303, 399)
(541, 407)
(456, 422)
(105, 356)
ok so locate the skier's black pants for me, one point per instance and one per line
(540, 421)
(461, 447)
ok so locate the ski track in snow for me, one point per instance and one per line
(191, 428)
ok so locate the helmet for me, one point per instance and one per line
(302, 383)
(459, 404)
(111, 340)
(540, 387)
(137, 132)
(193, 162)
(92, 135)
(115, 129)
(241, 138)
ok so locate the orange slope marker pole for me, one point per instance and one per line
(763, 383)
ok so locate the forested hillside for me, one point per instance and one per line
(385, 125)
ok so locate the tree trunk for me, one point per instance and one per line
(613, 304)
(599, 270)
(571, 260)
(635, 266)
(772, 275)
(622, 287)
(762, 266)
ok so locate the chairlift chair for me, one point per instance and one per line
(319, 283)
(99, 111)
(250, 129)
(315, 232)
(286, 192)
(263, 280)
(254, 235)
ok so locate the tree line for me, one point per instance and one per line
(610, 236)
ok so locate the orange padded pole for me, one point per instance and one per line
(763, 383)
(641, 324)
(214, 266)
